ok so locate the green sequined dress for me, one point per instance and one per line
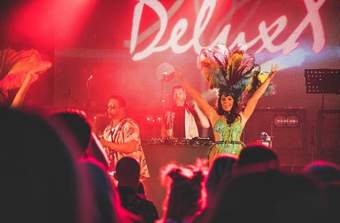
(227, 140)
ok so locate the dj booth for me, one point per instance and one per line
(159, 154)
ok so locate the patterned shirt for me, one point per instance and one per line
(125, 131)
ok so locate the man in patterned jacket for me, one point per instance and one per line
(121, 137)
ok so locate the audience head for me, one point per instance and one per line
(128, 172)
(327, 175)
(40, 179)
(220, 170)
(267, 196)
(299, 200)
(245, 198)
(184, 192)
(77, 123)
(322, 171)
(256, 158)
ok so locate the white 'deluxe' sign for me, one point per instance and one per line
(267, 33)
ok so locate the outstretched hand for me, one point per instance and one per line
(273, 71)
(40, 67)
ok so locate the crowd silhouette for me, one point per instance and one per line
(54, 170)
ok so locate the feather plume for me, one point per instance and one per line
(233, 70)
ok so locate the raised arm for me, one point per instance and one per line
(252, 102)
(202, 117)
(207, 109)
(21, 93)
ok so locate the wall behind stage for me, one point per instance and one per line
(121, 43)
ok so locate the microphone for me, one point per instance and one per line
(88, 80)
(90, 77)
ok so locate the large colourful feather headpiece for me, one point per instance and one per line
(231, 71)
(17, 64)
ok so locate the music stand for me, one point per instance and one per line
(322, 81)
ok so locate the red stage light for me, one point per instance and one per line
(44, 22)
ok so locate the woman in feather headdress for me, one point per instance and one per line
(241, 84)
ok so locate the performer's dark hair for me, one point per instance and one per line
(120, 100)
(234, 112)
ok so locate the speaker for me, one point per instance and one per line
(287, 128)
(328, 135)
